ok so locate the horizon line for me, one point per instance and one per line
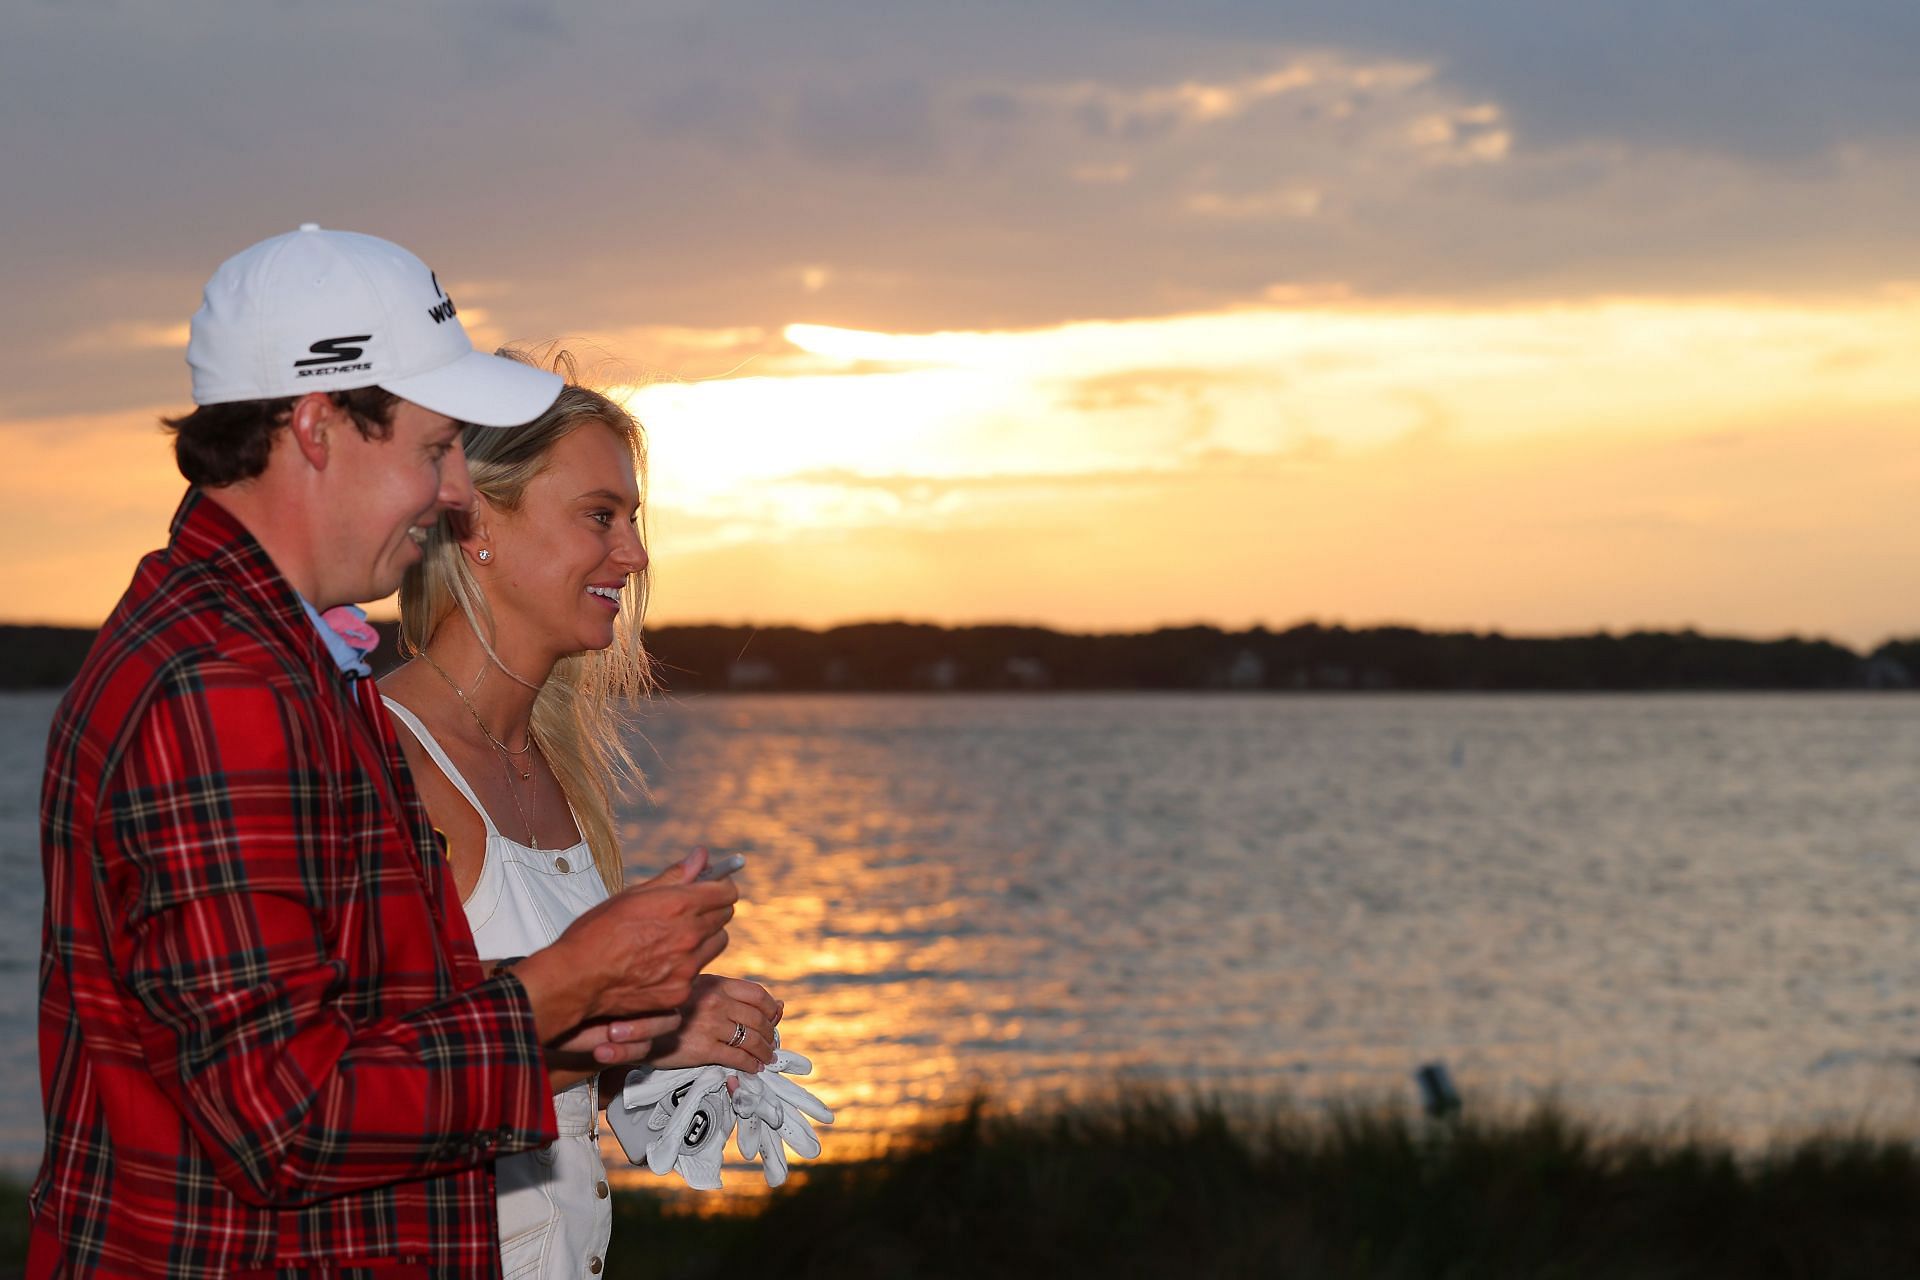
(1608, 632)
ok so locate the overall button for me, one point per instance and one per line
(561, 865)
(593, 1264)
(600, 1188)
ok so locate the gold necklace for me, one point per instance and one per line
(506, 752)
(513, 794)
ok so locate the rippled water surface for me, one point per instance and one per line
(1661, 907)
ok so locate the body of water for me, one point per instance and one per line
(1661, 908)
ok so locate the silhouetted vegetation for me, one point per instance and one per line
(1146, 1186)
(1151, 1185)
(41, 657)
(899, 656)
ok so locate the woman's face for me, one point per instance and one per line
(561, 562)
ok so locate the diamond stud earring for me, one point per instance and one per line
(483, 555)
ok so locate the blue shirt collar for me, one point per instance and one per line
(349, 659)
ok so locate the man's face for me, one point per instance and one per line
(384, 495)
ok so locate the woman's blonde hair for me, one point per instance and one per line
(583, 708)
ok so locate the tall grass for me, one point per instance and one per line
(1154, 1184)
(1150, 1185)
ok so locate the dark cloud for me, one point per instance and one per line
(517, 19)
(885, 128)
(602, 166)
(1764, 79)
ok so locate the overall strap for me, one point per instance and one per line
(419, 730)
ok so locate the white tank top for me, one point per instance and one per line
(525, 897)
(555, 1214)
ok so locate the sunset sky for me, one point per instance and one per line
(1537, 316)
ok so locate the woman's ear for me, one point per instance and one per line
(472, 530)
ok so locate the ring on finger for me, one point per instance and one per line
(739, 1035)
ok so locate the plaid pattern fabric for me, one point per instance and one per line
(266, 1045)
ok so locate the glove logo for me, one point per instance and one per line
(679, 1120)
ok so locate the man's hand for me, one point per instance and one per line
(635, 954)
(612, 1043)
(594, 1047)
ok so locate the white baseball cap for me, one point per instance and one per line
(316, 310)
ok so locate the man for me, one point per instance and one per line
(267, 1047)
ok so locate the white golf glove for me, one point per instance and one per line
(676, 1121)
(773, 1113)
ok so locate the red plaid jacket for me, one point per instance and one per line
(266, 1045)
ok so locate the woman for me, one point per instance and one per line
(523, 619)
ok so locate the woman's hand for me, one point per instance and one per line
(710, 1023)
(632, 954)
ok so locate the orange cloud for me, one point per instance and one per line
(1742, 464)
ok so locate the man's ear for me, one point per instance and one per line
(311, 423)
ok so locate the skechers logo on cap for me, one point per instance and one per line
(335, 355)
(443, 310)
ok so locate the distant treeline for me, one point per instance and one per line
(897, 657)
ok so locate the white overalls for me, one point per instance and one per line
(555, 1211)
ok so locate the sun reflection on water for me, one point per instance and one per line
(844, 916)
(1042, 897)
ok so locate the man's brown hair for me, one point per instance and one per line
(222, 444)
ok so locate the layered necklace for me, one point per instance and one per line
(512, 760)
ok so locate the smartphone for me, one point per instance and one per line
(726, 866)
